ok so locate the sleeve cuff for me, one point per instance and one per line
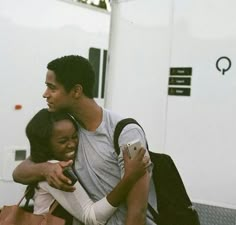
(103, 210)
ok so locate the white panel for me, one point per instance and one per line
(11, 193)
(138, 64)
(9, 161)
(201, 128)
(32, 34)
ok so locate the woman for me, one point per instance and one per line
(53, 135)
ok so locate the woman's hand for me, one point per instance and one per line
(136, 167)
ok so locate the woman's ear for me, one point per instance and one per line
(78, 90)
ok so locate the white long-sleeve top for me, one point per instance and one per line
(77, 203)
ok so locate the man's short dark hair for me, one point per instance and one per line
(74, 69)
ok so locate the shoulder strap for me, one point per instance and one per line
(53, 206)
(118, 129)
(25, 193)
(28, 194)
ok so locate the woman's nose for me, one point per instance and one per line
(71, 144)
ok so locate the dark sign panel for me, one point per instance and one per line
(180, 76)
(181, 71)
(180, 81)
(179, 91)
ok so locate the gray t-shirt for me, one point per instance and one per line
(98, 166)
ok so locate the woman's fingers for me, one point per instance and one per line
(141, 153)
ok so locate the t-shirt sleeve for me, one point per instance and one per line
(130, 133)
(79, 204)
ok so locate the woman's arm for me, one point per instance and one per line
(79, 204)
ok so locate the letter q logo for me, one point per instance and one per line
(223, 64)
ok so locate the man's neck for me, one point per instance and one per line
(89, 114)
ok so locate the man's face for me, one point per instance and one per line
(56, 95)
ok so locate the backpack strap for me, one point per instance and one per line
(118, 129)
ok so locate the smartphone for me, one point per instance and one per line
(133, 148)
(68, 172)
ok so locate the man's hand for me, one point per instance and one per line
(53, 174)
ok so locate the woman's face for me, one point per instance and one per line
(64, 140)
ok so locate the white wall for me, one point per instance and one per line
(32, 34)
(198, 131)
(201, 128)
(138, 63)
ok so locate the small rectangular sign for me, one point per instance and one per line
(20, 155)
(181, 71)
(180, 81)
(179, 91)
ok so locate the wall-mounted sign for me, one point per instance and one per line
(180, 81)
(179, 91)
(180, 76)
(180, 71)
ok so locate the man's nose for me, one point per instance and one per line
(45, 94)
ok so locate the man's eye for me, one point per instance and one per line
(51, 87)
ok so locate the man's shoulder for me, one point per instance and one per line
(112, 114)
(111, 117)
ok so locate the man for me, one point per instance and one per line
(70, 81)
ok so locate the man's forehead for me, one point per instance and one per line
(50, 77)
(51, 74)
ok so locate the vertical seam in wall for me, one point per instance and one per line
(172, 9)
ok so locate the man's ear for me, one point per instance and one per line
(78, 90)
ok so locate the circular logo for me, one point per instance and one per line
(223, 64)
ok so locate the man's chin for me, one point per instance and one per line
(51, 109)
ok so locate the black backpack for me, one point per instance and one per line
(173, 203)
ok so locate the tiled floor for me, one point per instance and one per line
(213, 215)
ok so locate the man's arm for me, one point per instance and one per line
(29, 172)
(137, 199)
(137, 202)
